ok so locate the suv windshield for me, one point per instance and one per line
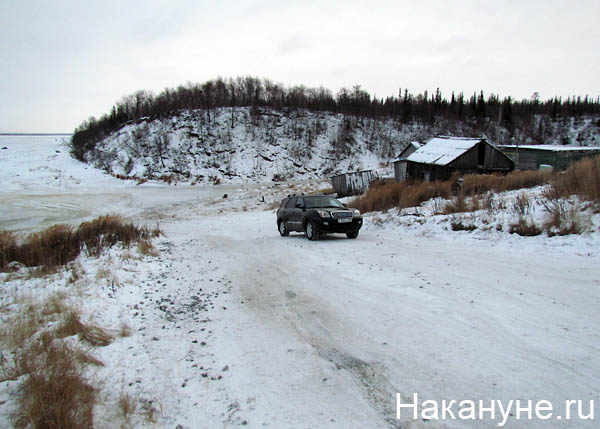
(322, 201)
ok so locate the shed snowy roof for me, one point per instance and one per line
(553, 148)
(411, 145)
(442, 150)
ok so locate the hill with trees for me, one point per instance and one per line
(250, 128)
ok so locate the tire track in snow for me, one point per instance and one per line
(269, 293)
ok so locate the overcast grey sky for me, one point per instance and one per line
(64, 61)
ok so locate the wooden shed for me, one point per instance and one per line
(531, 157)
(442, 156)
(400, 165)
(352, 183)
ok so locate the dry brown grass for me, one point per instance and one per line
(86, 358)
(124, 330)
(60, 244)
(54, 393)
(31, 317)
(525, 227)
(53, 390)
(457, 204)
(21, 328)
(477, 184)
(127, 405)
(563, 218)
(459, 225)
(106, 231)
(8, 248)
(150, 411)
(383, 195)
(167, 178)
(522, 205)
(581, 178)
(273, 205)
(146, 248)
(55, 304)
(51, 248)
(92, 334)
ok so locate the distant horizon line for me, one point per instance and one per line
(35, 134)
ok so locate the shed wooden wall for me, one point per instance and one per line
(494, 160)
(531, 159)
(352, 183)
(400, 170)
(427, 172)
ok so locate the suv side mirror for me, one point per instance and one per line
(299, 205)
(345, 205)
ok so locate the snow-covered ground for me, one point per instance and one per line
(233, 325)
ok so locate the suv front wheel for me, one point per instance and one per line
(312, 231)
(352, 234)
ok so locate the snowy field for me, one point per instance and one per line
(233, 325)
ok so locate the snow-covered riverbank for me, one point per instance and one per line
(233, 325)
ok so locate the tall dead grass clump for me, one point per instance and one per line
(22, 327)
(384, 195)
(581, 178)
(54, 393)
(380, 196)
(128, 405)
(61, 244)
(524, 179)
(457, 204)
(106, 231)
(477, 184)
(423, 191)
(563, 218)
(8, 248)
(525, 227)
(522, 204)
(53, 389)
(92, 334)
(145, 247)
(51, 248)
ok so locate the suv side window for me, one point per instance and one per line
(291, 203)
(300, 201)
(284, 203)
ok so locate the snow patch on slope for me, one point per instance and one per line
(246, 144)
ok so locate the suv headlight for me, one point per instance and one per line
(324, 213)
(356, 213)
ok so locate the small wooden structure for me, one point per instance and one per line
(352, 183)
(400, 165)
(531, 157)
(442, 156)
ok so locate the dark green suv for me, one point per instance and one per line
(317, 215)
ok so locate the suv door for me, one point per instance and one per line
(297, 213)
(286, 212)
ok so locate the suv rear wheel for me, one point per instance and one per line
(283, 231)
(312, 231)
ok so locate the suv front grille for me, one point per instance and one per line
(338, 215)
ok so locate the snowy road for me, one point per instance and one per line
(234, 325)
(325, 333)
